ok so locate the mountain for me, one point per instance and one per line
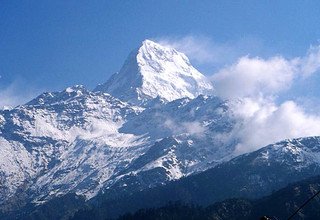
(153, 71)
(86, 142)
(83, 142)
(279, 205)
(127, 144)
(41, 136)
(251, 176)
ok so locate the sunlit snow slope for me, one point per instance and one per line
(154, 70)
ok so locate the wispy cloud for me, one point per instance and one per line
(311, 62)
(191, 127)
(195, 47)
(204, 50)
(17, 93)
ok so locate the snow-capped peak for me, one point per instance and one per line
(154, 70)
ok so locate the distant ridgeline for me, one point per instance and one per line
(279, 205)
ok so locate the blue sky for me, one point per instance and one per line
(49, 45)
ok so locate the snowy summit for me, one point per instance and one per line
(153, 71)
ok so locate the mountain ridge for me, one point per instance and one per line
(236, 178)
(278, 205)
(249, 176)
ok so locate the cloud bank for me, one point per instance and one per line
(256, 76)
(263, 122)
(253, 84)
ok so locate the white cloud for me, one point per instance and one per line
(255, 76)
(264, 122)
(191, 127)
(194, 128)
